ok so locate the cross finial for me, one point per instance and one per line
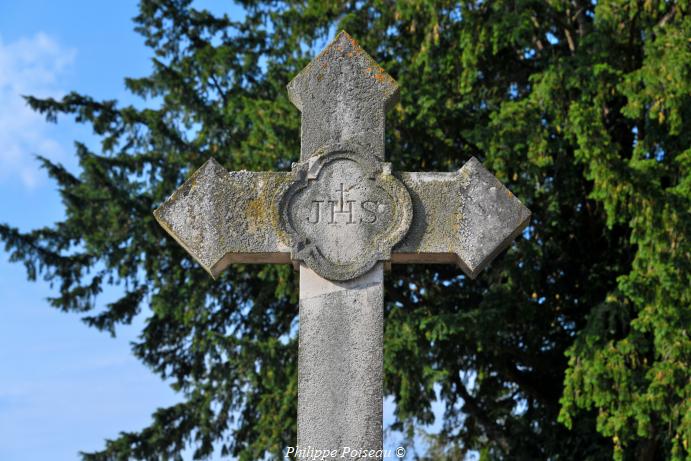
(343, 94)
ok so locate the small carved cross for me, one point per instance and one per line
(341, 215)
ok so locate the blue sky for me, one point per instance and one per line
(64, 387)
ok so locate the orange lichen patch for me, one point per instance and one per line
(380, 75)
(322, 72)
(352, 41)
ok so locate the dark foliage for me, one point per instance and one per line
(573, 345)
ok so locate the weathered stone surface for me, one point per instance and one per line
(467, 217)
(344, 212)
(340, 374)
(222, 217)
(343, 94)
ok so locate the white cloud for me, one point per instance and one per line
(28, 66)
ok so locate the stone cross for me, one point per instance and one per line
(342, 216)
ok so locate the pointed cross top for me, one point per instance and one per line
(343, 95)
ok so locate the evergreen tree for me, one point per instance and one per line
(573, 345)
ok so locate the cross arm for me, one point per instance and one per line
(467, 217)
(223, 217)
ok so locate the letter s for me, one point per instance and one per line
(370, 207)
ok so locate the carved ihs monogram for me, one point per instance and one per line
(343, 210)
